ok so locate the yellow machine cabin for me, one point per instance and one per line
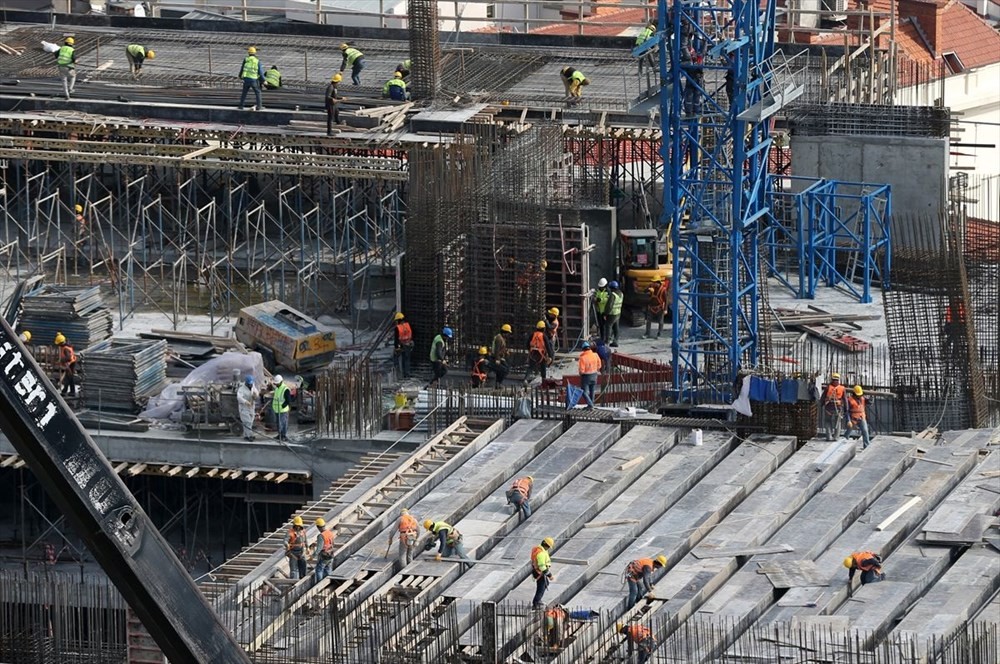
(643, 257)
(284, 336)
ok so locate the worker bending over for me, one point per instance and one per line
(481, 367)
(251, 72)
(136, 55)
(857, 417)
(66, 63)
(395, 88)
(323, 550)
(868, 562)
(499, 353)
(408, 530)
(295, 548)
(834, 406)
(573, 82)
(67, 365)
(541, 570)
(641, 642)
(448, 539)
(246, 400)
(332, 99)
(354, 59)
(590, 367)
(638, 575)
(519, 495)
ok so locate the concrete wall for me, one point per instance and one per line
(917, 168)
(603, 226)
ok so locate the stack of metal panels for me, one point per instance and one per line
(121, 374)
(79, 313)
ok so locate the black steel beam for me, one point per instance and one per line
(79, 479)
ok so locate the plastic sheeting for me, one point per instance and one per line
(227, 368)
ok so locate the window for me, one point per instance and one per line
(491, 11)
(954, 62)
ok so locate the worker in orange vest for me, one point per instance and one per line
(555, 627)
(481, 367)
(323, 550)
(954, 326)
(538, 353)
(857, 403)
(656, 308)
(868, 562)
(67, 365)
(590, 367)
(552, 329)
(295, 547)
(639, 638)
(541, 570)
(834, 406)
(408, 531)
(519, 495)
(403, 344)
(638, 575)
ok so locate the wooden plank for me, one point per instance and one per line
(628, 464)
(895, 515)
(742, 551)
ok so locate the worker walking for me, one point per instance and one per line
(332, 100)
(252, 72)
(601, 297)
(354, 59)
(499, 353)
(541, 570)
(638, 576)
(573, 83)
(834, 405)
(641, 642)
(407, 530)
(67, 365)
(538, 353)
(519, 495)
(615, 302)
(868, 562)
(395, 88)
(590, 367)
(439, 355)
(448, 539)
(295, 548)
(323, 550)
(656, 308)
(66, 62)
(136, 55)
(402, 343)
(246, 399)
(552, 329)
(281, 404)
(272, 78)
(403, 68)
(857, 418)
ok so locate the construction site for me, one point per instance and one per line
(777, 223)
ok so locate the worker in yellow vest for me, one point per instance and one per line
(354, 59)
(66, 62)
(251, 73)
(136, 54)
(272, 78)
(281, 404)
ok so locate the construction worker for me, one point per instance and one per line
(403, 68)
(136, 54)
(251, 72)
(601, 297)
(615, 302)
(439, 355)
(834, 406)
(656, 307)
(555, 627)
(481, 367)
(870, 564)
(538, 353)
(641, 642)
(730, 83)
(353, 58)
(246, 399)
(519, 495)
(552, 329)
(272, 78)
(395, 88)
(332, 99)
(694, 82)
(954, 326)
(323, 550)
(604, 352)
(25, 337)
(408, 530)
(67, 365)
(541, 570)
(295, 548)
(66, 62)
(499, 353)
(857, 418)
(449, 540)
(403, 343)
(638, 575)
(573, 82)
(590, 367)
(281, 404)
(644, 36)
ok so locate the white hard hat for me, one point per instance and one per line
(278, 379)
(602, 282)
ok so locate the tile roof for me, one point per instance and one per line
(624, 21)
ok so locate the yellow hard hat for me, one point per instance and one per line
(344, 47)
(483, 350)
(60, 339)
(621, 627)
(297, 521)
(848, 561)
(662, 559)
(399, 316)
(554, 311)
(337, 78)
(78, 208)
(428, 524)
(540, 325)
(70, 41)
(548, 542)
(398, 74)
(27, 336)
(151, 54)
(320, 522)
(858, 391)
(252, 50)
(835, 376)
(506, 328)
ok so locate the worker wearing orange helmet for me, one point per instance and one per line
(519, 495)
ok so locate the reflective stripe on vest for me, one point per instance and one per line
(352, 55)
(405, 332)
(407, 525)
(272, 77)
(327, 536)
(296, 538)
(834, 392)
(479, 369)
(617, 299)
(251, 67)
(65, 56)
(279, 399)
(590, 363)
(538, 342)
(601, 300)
(643, 36)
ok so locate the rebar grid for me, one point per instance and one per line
(838, 119)
(425, 48)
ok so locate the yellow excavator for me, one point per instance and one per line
(643, 258)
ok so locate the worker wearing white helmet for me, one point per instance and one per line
(834, 406)
(601, 296)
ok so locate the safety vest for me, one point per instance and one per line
(856, 407)
(437, 349)
(136, 49)
(537, 342)
(646, 33)
(65, 56)
(251, 67)
(552, 325)
(327, 537)
(961, 313)
(452, 533)
(352, 54)
(657, 297)
(540, 560)
(273, 78)
(639, 633)
(404, 332)
(296, 539)
(590, 363)
(405, 65)
(578, 76)
(479, 369)
(866, 560)
(407, 527)
(601, 299)
(522, 485)
(635, 568)
(553, 615)
(617, 299)
(67, 355)
(834, 392)
(278, 400)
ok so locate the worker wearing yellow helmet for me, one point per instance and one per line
(481, 367)
(638, 575)
(857, 416)
(295, 547)
(251, 73)
(136, 54)
(66, 362)
(66, 63)
(519, 495)
(541, 570)
(539, 353)
(834, 404)
(499, 352)
(448, 539)
(395, 88)
(402, 344)
(331, 100)
(868, 562)
(323, 550)
(354, 59)
(552, 329)
(25, 337)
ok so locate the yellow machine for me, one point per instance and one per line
(285, 337)
(642, 259)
